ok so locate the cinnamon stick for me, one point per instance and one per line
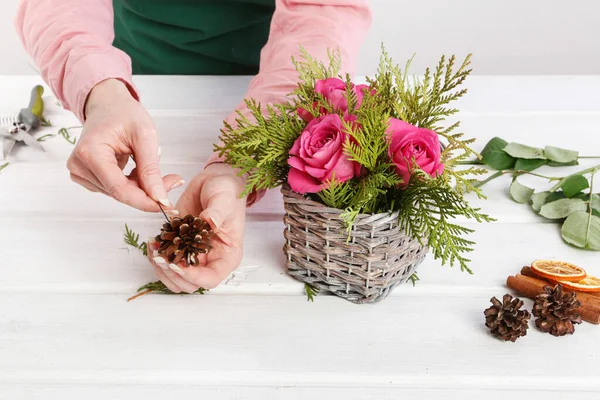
(531, 287)
(528, 272)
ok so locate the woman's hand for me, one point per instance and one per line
(116, 127)
(214, 195)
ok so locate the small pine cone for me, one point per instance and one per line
(556, 311)
(184, 238)
(506, 320)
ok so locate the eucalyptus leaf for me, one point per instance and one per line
(574, 184)
(555, 196)
(560, 155)
(518, 150)
(596, 202)
(524, 164)
(559, 164)
(495, 157)
(520, 193)
(539, 199)
(562, 208)
(582, 230)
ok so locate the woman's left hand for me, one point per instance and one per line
(214, 195)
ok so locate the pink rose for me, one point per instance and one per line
(334, 91)
(410, 145)
(318, 154)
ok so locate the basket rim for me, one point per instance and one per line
(288, 192)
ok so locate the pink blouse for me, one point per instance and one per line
(71, 42)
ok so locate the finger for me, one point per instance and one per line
(145, 149)
(175, 274)
(76, 167)
(219, 207)
(170, 182)
(103, 165)
(86, 184)
(212, 274)
(165, 279)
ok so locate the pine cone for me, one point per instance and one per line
(184, 238)
(555, 311)
(505, 319)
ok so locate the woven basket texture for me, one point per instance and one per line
(362, 267)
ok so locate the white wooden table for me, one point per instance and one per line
(67, 332)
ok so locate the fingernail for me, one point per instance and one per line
(172, 213)
(155, 253)
(161, 262)
(177, 184)
(214, 223)
(160, 194)
(159, 152)
(175, 268)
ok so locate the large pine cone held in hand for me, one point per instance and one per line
(184, 238)
(555, 311)
(506, 320)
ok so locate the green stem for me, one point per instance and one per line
(490, 178)
(588, 157)
(585, 171)
(515, 172)
(470, 162)
(591, 210)
(3, 166)
(521, 172)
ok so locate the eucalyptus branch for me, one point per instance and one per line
(585, 171)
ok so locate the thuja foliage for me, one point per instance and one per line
(259, 146)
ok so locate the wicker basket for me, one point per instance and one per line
(378, 256)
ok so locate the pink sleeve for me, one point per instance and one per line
(317, 25)
(71, 43)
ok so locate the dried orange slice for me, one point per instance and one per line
(587, 284)
(558, 270)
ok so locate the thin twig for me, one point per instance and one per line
(140, 294)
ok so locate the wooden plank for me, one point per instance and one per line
(73, 256)
(190, 137)
(434, 342)
(49, 193)
(492, 94)
(61, 391)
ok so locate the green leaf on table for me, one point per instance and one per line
(574, 184)
(539, 199)
(562, 208)
(582, 229)
(518, 150)
(561, 155)
(524, 164)
(559, 164)
(495, 157)
(520, 193)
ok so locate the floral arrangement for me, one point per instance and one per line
(367, 148)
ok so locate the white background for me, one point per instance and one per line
(509, 37)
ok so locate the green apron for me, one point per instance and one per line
(193, 37)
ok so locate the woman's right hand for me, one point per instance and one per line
(116, 127)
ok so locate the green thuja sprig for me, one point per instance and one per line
(159, 287)
(427, 207)
(311, 292)
(132, 239)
